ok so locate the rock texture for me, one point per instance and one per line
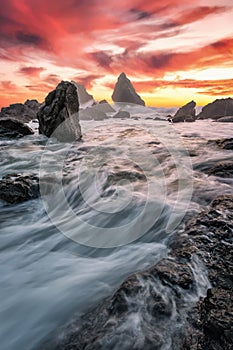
(172, 304)
(125, 92)
(58, 116)
(11, 128)
(225, 143)
(217, 109)
(187, 113)
(15, 188)
(23, 112)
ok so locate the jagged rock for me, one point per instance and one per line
(16, 188)
(23, 112)
(217, 109)
(58, 116)
(142, 312)
(105, 107)
(12, 128)
(83, 95)
(125, 92)
(228, 119)
(122, 114)
(186, 113)
(222, 169)
(92, 113)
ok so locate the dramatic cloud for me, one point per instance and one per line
(31, 71)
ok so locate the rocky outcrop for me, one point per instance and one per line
(228, 119)
(15, 188)
(125, 92)
(83, 96)
(11, 128)
(58, 116)
(172, 304)
(217, 109)
(187, 113)
(105, 107)
(122, 115)
(23, 112)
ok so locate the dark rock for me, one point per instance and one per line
(16, 188)
(58, 116)
(114, 178)
(11, 128)
(125, 92)
(222, 169)
(19, 111)
(217, 109)
(225, 143)
(152, 309)
(228, 119)
(122, 114)
(186, 113)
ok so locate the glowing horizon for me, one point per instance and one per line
(172, 51)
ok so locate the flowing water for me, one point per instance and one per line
(107, 208)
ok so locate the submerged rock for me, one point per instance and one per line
(58, 116)
(187, 113)
(11, 128)
(15, 188)
(225, 143)
(19, 111)
(217, 109)
(150, 308)
(125, 92)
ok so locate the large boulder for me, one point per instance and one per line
(59, 114)
(11, 128)
(15, 188)
(217, 109)
(23, 112)
(125, 92)
(186, 113)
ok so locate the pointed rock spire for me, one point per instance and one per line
(125, 92)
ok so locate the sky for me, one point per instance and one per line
(173, 51)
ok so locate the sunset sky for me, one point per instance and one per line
(172, 50)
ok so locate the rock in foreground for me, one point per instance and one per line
(187, 113)
(16, 188)
(58, 116)
(149, 310)
(19, 111)
(11, 128)
(125, 92)
(217, 109)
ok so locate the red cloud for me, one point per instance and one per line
(31, 71)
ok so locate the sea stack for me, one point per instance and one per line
(125, 92)
(59, 114)
(187, 113)
(219, 108)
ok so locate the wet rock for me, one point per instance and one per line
(114, 178)
(228, 119)
(222, 169)
(22, 112)
(217, 109)
(225, 143)
(186, 113)
(58, 116)
(15, 188)
(122, 115)
(11, 128)
(125, 92)
(153, 309)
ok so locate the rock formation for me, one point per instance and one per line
(217, 109)
(228, 119)
(125, 92)
(16, 188)
(122, 115)
(83, 96)
(11, 128)
(105, 107)
(58, 116)
(186, 113)
(23, 112)
(92, 113)
(153, 309)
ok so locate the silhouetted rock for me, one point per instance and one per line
(228, 119)
(83, 95)
(217, 109)
(122, 114)
(12, 128)
(16, 188)
(150, 308)
(125, 92)
(186, 113)
(23, 112)
(58, 116)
